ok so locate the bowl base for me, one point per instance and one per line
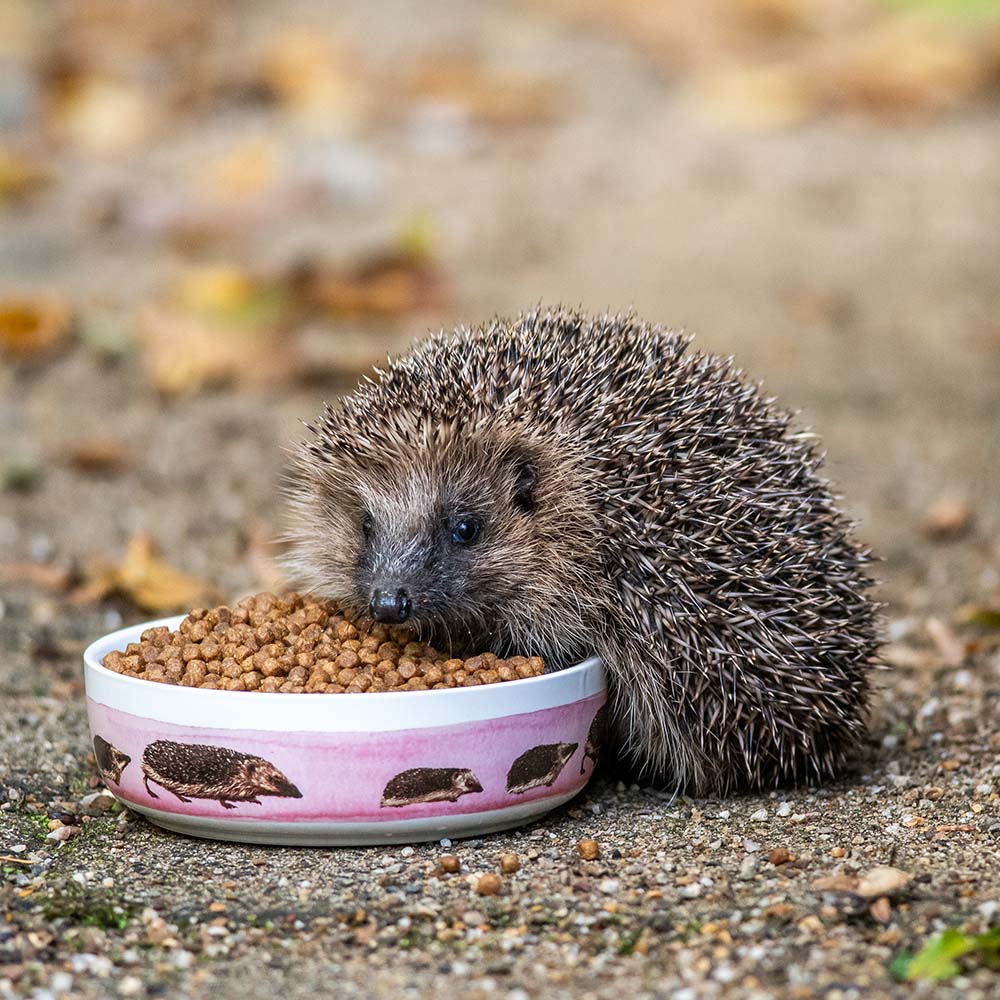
(334, 834)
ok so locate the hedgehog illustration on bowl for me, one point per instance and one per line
(538, 766)
(110, 760)
(194, 771)
(595, 738)
(429, 784)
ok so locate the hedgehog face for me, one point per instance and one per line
(446, 544)
(265, 779)
(475, 537)
(466, 781)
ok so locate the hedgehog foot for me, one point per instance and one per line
(183, 798)
(228, 805)
(145, 781)
(255, 802)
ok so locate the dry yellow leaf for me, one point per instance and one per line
(314, 78)
(488, 95)
(19, 175)
(218, 288)
(145, 579)
(246, 170)
(32, 327)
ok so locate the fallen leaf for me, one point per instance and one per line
(102, 456)
(936, 960)
(882, 881)
(765, 97)
(903, 65)
(145, 579)
(247, 170)
(21, 475)
(187, 351)
(953, 651)
(879, 881)
(314, 78)
(105, 115)
(49, 576)
(491, 96)
(948, 517)
(32, 327)
(980, 617)
(386, 284)
(20, 175)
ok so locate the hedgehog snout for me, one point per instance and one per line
(390, 604)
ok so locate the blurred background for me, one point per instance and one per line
(214, 216)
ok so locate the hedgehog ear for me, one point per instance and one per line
(525, 480)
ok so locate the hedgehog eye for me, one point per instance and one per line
(464, 529)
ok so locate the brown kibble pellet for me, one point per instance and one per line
(509, 863)
(296, 644)
(449, 863)
(489, 884)
(348, 659)
(589, 850)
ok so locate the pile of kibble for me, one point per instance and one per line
(297, 644)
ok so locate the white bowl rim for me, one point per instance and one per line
(320, 712)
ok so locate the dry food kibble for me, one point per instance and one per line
(589, 850)
(297, 644)
(489, 885)
(509, 863)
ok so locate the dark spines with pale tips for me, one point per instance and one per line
(429, 784)
(195, 771)
(637, 499)
(538, 766)
(110, 760)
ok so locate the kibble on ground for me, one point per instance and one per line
(297, 645)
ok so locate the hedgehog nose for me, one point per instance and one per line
(391, 605)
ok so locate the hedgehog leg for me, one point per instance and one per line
(178, 794)
(227, 805)
(255, 802)
(145, 781)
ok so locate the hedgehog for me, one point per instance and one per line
(540, 765)
(110, 760)
(190, 770)
(595, 739)
(565, 485)
(429, 784)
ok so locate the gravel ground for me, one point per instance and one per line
(851, 264)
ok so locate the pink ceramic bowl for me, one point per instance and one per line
(346, 769)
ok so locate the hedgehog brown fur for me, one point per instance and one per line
(627, 496)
